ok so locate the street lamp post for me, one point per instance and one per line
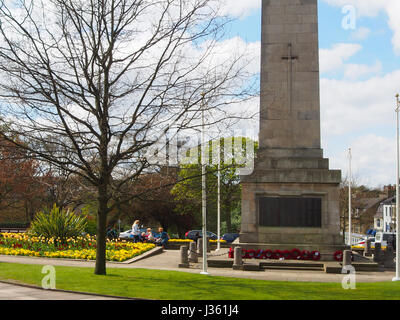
(397, 278)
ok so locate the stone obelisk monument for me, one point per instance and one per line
(292, 198)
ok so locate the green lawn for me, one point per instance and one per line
(171, 285)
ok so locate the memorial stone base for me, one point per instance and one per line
(291, 201)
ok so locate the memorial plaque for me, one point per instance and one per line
(290, 212)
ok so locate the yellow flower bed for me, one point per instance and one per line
(16, 245)
(215, 241)
(19, 252)
(135, 249)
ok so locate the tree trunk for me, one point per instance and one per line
(100, 268)
(26, 211)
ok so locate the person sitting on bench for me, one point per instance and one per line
(162, 238)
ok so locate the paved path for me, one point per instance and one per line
(16, 292)
(169, 260)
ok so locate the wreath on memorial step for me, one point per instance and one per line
(251, 254)
(306, 255)
(260, 254)
(278, 254)
(316, 255)
(268, 254)
(338, 256)
(287, 255)
(296, 254)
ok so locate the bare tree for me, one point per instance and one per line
(88, 84)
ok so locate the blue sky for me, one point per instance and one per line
(360, 75)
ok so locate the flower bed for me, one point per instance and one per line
(73, 248)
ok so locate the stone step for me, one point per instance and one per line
(370, 266)
(289, 153)
(292, 163)
(291, 264)
(299, 268)
(335, 269)
(294, 176)
(359, 267)
(252, 267)
(220, 263)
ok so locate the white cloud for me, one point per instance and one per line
(240, 9)
(348, 107)
(361, 33)
(393, 10)
(334, 58)
(361, 115)
(333, 62)
(373, 160)
(357, 71)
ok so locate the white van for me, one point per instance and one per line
(383, 237)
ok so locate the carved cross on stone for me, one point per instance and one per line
(290, 58)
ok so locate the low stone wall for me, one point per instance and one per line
(177, 245)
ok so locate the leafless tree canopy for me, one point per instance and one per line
(88, 84)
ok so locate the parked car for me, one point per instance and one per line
(125, 235)
(192, 234)
(230, 237)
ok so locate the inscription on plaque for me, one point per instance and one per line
(290, 212)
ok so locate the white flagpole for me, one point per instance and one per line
(219, 204)
(397, 278)
(350, 226)
(203, 192)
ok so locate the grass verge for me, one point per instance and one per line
(173, 285)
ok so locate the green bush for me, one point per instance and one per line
(56, 223)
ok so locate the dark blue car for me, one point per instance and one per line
(230, 237)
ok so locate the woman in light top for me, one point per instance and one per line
(136, 231)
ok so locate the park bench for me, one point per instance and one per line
(12, 230)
